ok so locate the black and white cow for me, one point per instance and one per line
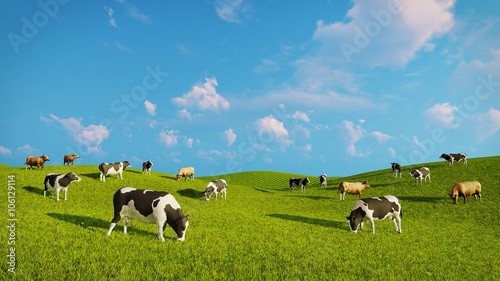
(300, 183)
(146, 167)
(396, 169)
(323, 180)
(454, 157)
(116, 168)
(58, 182)
(216, 186)
(375, 208)
(422, 174)
(149, 207)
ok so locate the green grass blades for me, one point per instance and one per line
(263, 231)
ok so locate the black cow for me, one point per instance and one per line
(146, 167)
(216, 186)
(396, 169)
(375, 208)
(58, 182)
(454, 157)
(149, 206)
(301, 183)
(116, 168)
(323, 180)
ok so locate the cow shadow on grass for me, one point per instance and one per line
(312, 197)
(33, 189)
(191, 193)
(423, 199)
(170, 177)
(92, 223)
(91, 175)
(313, 221)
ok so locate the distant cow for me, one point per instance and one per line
(454, 157)
(185, 173)
(300, 183)
(352, 188)
(116, 168)
(70, 158)
(216, 186)
(146, 167)
(36, 161)
(375, 208)
(149, 207)
(396, 169)
(465, 189)
(323, 180)
(58, 182)
(422, 174)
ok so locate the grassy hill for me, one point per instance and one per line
(262, 231)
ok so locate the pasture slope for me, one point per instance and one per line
(262, 231)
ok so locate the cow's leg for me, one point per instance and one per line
(57, 193)
(65, 192)
(160, 230)
(125, 224)
(225, 194)
(111, 228)
(373, 225)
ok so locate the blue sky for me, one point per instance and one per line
(308, 87)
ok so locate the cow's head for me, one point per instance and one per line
(453, 197)
(45, 157)
(355, 218)
(73, 177)
(126, 164)
(365, 183)
(444, 156)
(74, 155)
(179, 227)
(414, 173)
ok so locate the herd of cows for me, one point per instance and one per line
(161, 208)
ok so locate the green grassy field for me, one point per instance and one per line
(263, 231)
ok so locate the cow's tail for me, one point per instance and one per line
(401, 213)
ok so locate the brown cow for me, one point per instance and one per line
(352, 188)
(70, 158)
(185, 173)
(465, 189)
(36, 161)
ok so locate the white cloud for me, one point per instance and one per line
(299, 115)
(189, 143)
(230, 136)
(4, 150)
(381, 137)
(271, 126)
(185, 114)
(26, 149)
(230, 10)
(308, 147)
(169, 138)
(150, 107)
(111, 19)
(392, 151)
(417, 142)
(489, 123)
(91, 136)
(203, 96)
(134, 12)
(442, 114)
(353, 134)
(386, 32)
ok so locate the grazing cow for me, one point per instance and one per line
(396, 169)
(36, 161)
(70, 158)
(352, 188)
(454, 157)
(216, 186)
(422, 174)
(148, 206)
(146, 167)
(375, 208)
(116, 168)
(323, 180)
(301, 183)
(185, 173)
(58, 182)
(465, 189)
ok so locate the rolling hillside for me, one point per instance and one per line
(262, 231)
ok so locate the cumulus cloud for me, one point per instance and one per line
(169, 138)
(111, 18)
(490, 123)
(150, 107)
(91, 136)
(184, 113)
(4, 150)
(442, 114)
(230, 10)
(393, 31)
(354, 133)
(274, 128)
(189, 143)
(26, 149)
(203, 96)
(391, 151)
(381, 137)
(230, 136)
